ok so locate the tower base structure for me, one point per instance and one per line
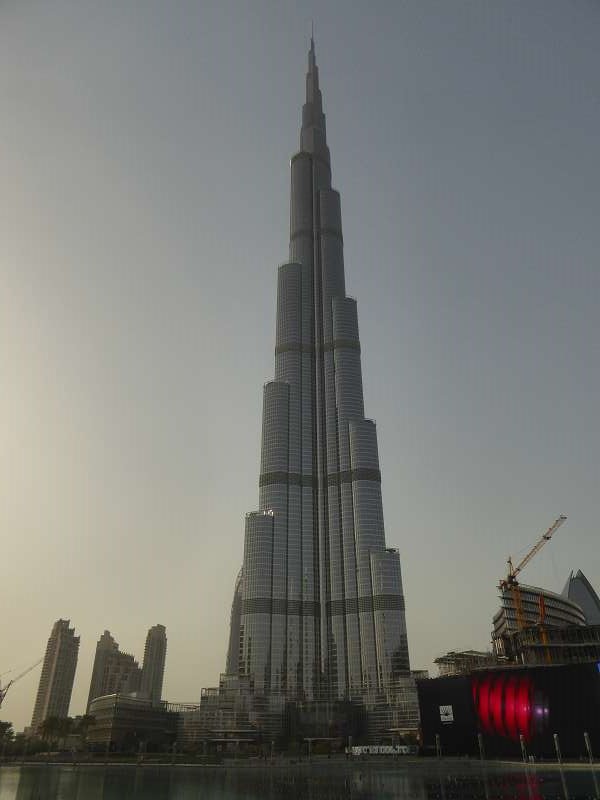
(392, 713)
(233, 712)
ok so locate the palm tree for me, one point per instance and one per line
(64, 728)
(50, 728)
(7, 733)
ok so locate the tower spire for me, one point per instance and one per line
(312, 61)
(313, 137)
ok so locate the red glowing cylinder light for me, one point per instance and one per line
(504, 704)
(524, 706)
(510, 718)
(497, 705)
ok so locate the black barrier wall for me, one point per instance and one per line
(503, 710)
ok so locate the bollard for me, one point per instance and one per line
(481, 750)
(438, 746)
(588, 746)
(563, 781)
(523, 748)
(557, 748)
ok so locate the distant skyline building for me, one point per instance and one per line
(113, 671)
(58, 673)
(581, 591)
(319, 605)
(153, 669)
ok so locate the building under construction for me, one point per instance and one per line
(537, 626)
(534, 625)
(573, 644)
(537, 610)
(550, 628)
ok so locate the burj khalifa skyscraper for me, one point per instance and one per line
(318, 612)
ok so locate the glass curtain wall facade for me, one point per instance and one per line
(322, 608)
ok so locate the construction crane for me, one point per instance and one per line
(4, 689)
(510, 583)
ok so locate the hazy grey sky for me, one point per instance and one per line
(144, 186)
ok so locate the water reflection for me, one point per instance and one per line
(424, 781)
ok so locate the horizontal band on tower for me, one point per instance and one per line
(312, 157)
(267, 605)
(333, 478)
(326, 231)
(360, 605)
(351, 344)
(351, 475)
(289, 478)
(335, 608)
(294, 347)
(298, 347)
